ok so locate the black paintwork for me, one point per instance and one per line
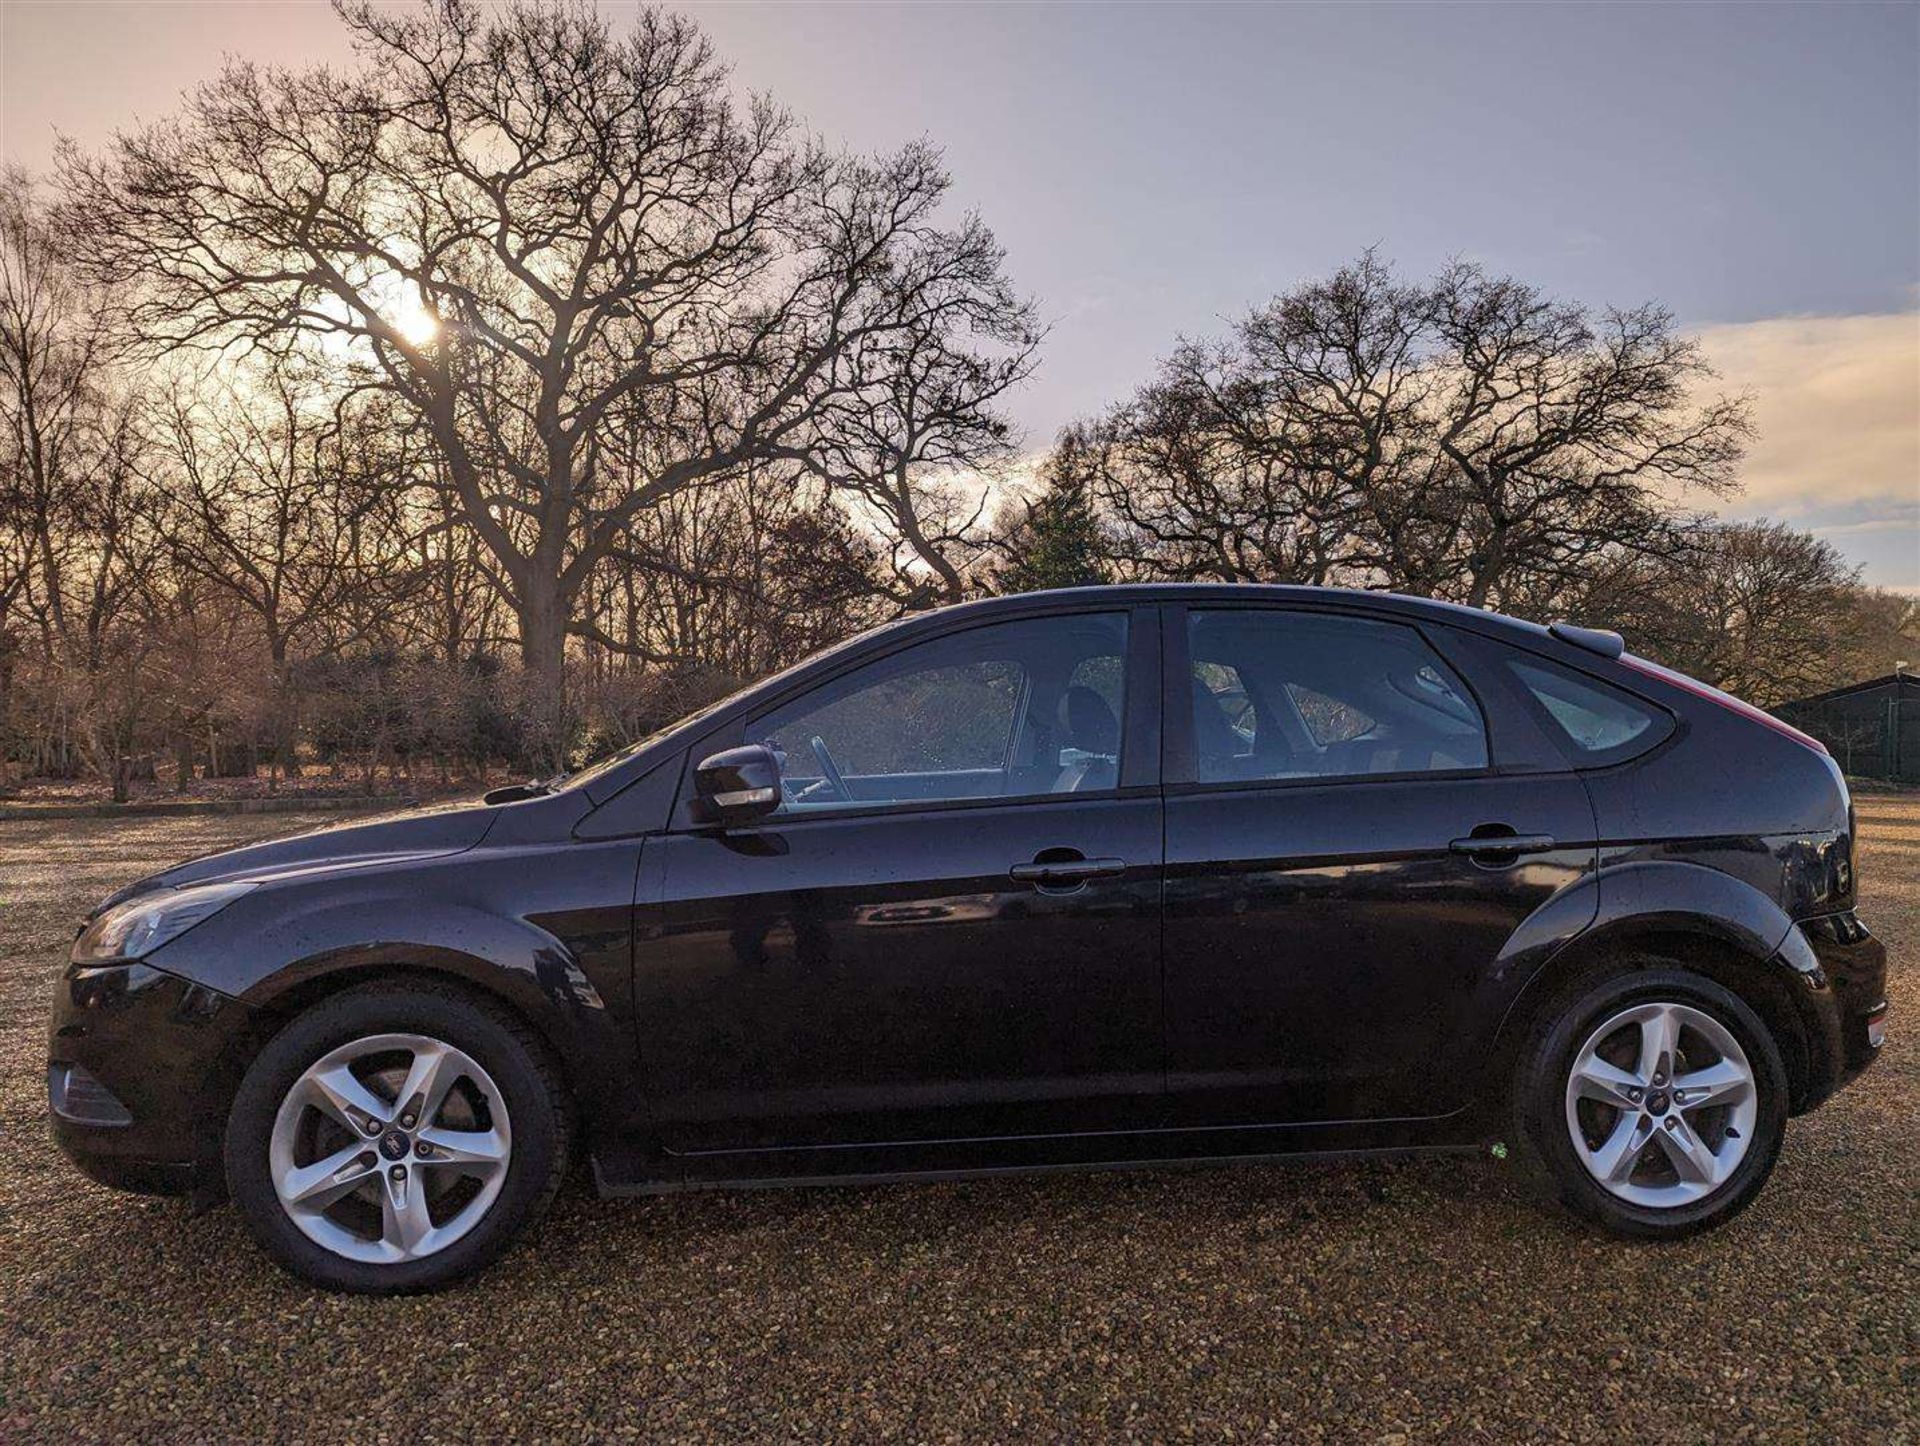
(827, 983)
(1251, 969)
(1300, 919)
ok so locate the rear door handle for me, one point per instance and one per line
(1503, 845)
(1067, 871)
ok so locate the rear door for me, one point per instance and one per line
(1349, 850)
(950, 928)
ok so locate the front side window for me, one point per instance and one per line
(1280, 695)
(1002, 711)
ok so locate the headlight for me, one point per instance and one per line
(139, 926)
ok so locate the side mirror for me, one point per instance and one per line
(738, 785)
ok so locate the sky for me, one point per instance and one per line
(1154, 171)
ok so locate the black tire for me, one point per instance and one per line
(502, 1045)
(1540, 1107)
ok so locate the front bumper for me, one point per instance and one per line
(165, 1052)
(1845, 968)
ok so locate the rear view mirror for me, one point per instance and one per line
(738, 785)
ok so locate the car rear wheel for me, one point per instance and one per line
(394, 1139)
(1653, 1104)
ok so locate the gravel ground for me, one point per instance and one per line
(1366, 1301)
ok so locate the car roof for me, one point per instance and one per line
(1199, 593)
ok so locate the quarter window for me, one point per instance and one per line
(1329, 720)
(1008, 710)
(1280, 695)
(1596, 719)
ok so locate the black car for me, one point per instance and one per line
(1094, 877)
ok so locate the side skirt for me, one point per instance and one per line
(989, 1159)
(610, 1190)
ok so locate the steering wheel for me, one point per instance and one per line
(829, 769)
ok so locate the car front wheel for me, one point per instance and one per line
(393, 1139)
(1654, 1104)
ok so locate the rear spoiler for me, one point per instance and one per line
(1595, 640)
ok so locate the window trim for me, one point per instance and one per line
(1140, 731)
(1180, 772)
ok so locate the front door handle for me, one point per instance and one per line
(1054, 872)
(1502, 845)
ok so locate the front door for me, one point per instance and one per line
(1345, 866)
(949, 929)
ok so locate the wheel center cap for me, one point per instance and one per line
(1657, 1103)
(393, 1145)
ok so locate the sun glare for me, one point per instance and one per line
(398, 303)
(414, 322)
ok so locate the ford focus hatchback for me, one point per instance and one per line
(1094, 877)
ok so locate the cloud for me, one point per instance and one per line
(1837, 408)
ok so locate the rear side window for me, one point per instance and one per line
(1602, 723)
(1279, 695)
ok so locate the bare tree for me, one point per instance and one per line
(735, 579)
(1561, 435)
(456, 612)
(537, 232)
(1469, 438)
(1757, 608)
(1256, 459)
(913, 451)
(1880, 633)
(274, 489)
(101, 602)
(80, 544)
(51, 397)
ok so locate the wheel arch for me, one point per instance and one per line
(401, 965)
(1695, 918)
(524, 972)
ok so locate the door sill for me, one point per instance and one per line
(1389, 1122)
(665, 1185)
(980, 1158)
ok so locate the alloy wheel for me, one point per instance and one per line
(390, 1148)
(1661, 1104)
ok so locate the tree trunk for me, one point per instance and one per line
(543, 635)
(286, 733)
(542, 617)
